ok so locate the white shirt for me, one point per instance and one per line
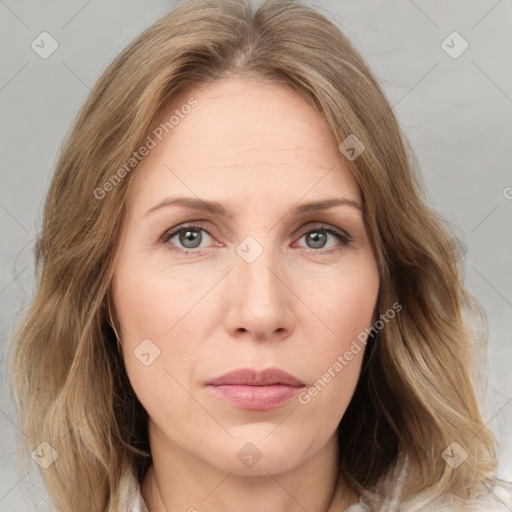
(138, 504)
(498, 499)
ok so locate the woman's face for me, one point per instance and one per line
(267, 283)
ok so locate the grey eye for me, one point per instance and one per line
(318, 239)
(190, 238)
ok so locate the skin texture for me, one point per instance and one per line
(260, 150)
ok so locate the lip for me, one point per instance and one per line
(252, 377)
(252, 389)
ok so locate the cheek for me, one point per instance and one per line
(336, 360)
(345, 307)
(343, 302)
(150, 301)
(158, 371)
(152, 308)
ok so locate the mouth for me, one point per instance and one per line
(256, 390)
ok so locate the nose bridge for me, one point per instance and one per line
(255, 268)
(260, 301)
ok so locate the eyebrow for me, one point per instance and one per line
(217, 208)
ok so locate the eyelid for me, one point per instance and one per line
(169, 233)
(325, 227)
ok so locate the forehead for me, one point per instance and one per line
(245, 138)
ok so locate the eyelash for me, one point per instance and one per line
(340, 235)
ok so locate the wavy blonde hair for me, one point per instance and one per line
(416, 392)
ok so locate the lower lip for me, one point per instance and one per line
(255, 397)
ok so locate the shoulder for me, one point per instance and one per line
(495, 499)
(487, 499)
(134, 500)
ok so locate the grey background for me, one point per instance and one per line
(457, 113)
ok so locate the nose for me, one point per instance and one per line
(259, 299)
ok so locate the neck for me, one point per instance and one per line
(179, 481)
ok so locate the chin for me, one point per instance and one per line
(260, 456)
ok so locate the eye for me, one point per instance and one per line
(317, 237)
(189, 238)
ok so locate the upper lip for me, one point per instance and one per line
(252, 377)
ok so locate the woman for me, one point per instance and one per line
(243, 299)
